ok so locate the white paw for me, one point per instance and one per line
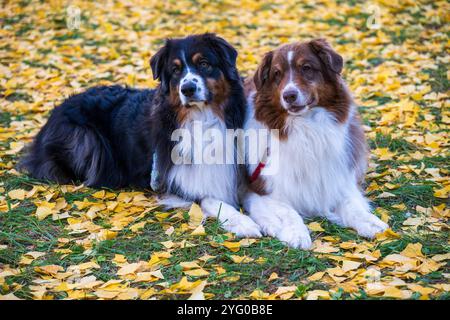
(296, 236)
(369, 225)
(285, 224)
(242, 226)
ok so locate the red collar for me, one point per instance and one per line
(257, 172)
(255, 175)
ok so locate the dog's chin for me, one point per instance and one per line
(200, 104)
(298, 110)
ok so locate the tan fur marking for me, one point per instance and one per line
(196, 57)
(220, 90)
(177, 62)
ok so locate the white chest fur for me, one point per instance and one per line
(202, 179)
(313, 169)
(311, 175)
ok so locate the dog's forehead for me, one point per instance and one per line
(190, 49)
(291, 53)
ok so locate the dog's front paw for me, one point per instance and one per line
(369, 225)
(286, 225)
(242, 226)
(296, 236)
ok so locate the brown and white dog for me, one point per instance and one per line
(322, 154)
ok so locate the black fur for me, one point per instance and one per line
(106, 136)
(164, 116)
(96, 137)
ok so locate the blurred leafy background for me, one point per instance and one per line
(72, 242)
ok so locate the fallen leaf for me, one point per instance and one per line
(195, 215)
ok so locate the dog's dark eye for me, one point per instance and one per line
(176, 69)
(204, 64)
(307, 68)
(277, 73)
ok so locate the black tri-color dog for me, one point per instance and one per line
(109, 136)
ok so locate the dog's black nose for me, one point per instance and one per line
(290, 96)
(188, 89)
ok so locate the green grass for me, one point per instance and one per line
(22, 232)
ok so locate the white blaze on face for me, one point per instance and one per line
(291, 86)
(200, 95)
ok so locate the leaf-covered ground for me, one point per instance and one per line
(71, 242)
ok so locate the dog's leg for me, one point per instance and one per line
(231, 219)
(354, 212)
(278, 220)
(170, 201)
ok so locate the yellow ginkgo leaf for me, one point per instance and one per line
(199, 231)
(273, 276)
(200, 272)
(315, 226)
(17, 194)
(128, 268)
(195, 215)
(241, 259)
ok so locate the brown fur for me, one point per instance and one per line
(177, 62)
(259, 186)
(174, 99)
(196, 57)
(359, 148)
(267, 107)
(219, 89)
(325, 86)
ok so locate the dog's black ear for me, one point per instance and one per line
(225, 52)
(262, 73)
(327, 55)
(157, 63)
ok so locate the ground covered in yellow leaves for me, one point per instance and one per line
(71, 242)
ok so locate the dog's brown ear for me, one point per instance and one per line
(327, 55)
(262, 73)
